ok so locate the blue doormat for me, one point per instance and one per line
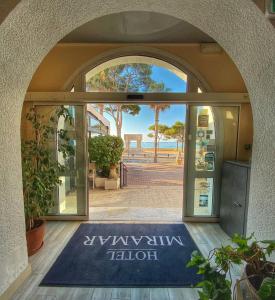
(125, 255)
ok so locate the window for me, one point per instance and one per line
(136, 74)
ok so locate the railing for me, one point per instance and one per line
(123, 174)
(149, 155)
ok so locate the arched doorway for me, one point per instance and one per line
(244, 48)
(95, 82)
(154, 167)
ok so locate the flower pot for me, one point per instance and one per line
(251, 284)
(35, 237)
(112, 184)
(100, 182)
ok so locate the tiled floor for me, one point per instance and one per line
(154, 192)
(206, 236)
(137, 203)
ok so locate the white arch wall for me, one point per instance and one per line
(34, 27)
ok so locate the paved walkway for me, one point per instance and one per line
(155, 174)
(154, 193)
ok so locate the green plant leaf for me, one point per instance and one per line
(40, 168)
(267, 289)
(106, 151)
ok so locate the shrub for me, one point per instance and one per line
(40, 168)
(106, 152)
(220, 260)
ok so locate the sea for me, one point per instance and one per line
(151, 145)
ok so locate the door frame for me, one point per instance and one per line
(137, 98)
(71, 217)
(189, 98)
(186, 217)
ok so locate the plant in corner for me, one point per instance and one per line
(259, 273)
(40, 170)
(106, 152)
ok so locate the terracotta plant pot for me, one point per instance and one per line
(35, 237)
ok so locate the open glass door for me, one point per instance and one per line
(212, 138)
(71, 197)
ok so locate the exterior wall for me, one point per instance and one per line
(33, 28)
(6, 6)
(262, 6)
(65, 59)
(245, 132)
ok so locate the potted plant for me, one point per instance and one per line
(106, 151)
(40, 171)
(258, 276)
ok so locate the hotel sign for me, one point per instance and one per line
(132, 248)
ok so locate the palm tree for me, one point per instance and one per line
(122, 78)
(157, 109)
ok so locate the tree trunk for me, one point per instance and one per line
(118, 120)
(118, 130)
(177, 145)
(101, 108)
(156, 133)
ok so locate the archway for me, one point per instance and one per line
(139, 54)
(240, 29)
(152, 171)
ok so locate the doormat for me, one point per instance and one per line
(125, 255)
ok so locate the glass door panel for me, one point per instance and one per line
(212, 138)
(203, 196)
(70, 197)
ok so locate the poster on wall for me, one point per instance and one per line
(209, 159)
(203, 202)
(203, 120)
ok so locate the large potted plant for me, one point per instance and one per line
(106, 152)
(258, 280)
(40, 171)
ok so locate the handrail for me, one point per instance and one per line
(123, 174)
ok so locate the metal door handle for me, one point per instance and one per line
(237, 204)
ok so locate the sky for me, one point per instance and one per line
(139, 124)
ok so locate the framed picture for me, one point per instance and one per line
(203, 201)
(203, 120)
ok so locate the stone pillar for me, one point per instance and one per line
(139, 146)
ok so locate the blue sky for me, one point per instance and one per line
(139, 124)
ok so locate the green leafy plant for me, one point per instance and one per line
(214, 285)
(176, 131)
(267, 289)
(259, 271)
(40, 168)
(106, 152)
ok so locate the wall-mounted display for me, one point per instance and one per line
(200, 133)
(203, 196)
(203, 120)
(203, 202)
(209, 159)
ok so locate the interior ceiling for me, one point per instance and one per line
(137, 27)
